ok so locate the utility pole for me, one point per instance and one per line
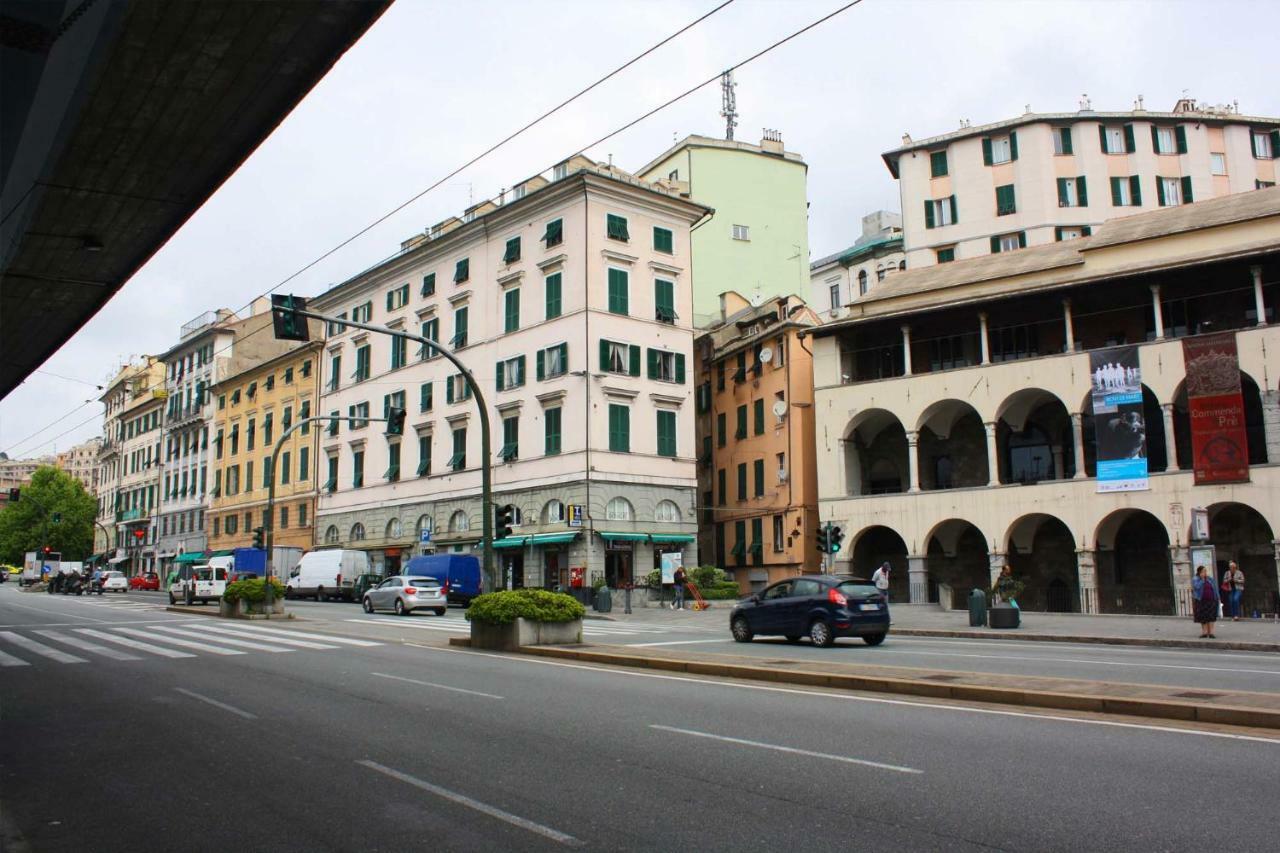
(830, 557)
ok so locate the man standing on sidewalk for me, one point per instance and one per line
(881, 580)
(680, 578)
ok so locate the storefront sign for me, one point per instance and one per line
(669, 563)
(1219, 445)
(574, 514)
(1119, 427)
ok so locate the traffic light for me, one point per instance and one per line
(257, 537)
(395, 421)
(47, 551)
(14, 494)
(836, 537)
(288, 325)
(57, 518)
(823, 541)
(503, 518)
(139, 533)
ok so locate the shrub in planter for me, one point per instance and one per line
(723, 591)
(252, 590)
(653, 580)
(536, 605)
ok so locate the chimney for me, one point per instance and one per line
(771, 141)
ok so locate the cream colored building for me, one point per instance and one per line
(81, 462)
(16, 473)
(956, 432)
(571, 303)
(128, 494)
(852, 273)
(1045, 177)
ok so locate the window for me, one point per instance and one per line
(510, 373)
(742, 481)
(862, 283)
(1217, 163)
(331, 480)
(779, 534)
(1171, 192)
(1266, 146)
(335, 369)
(1005, 203)
(333, 328)
(456, 389)
(458, 460)
(1169, 140)
(399, 348)
(666, 511)
(304, 464)
(1116, 139)
(1062, 141)
(424, 455)
(1073, 192)
(618, 509)
(362, 313)
(358, 414)
(552, 361)
(425, 396)
(619, 358)
(559, 171)
(722, 487)
(459, 522)
(357, 532)
(430, 331)
(510, 450)
(248, 476)
(334, 420)
(1262, 185)
(757, 412)
(394, 400)
(462, 271)
(616, 228)
(757, 469)
(428, 284)
(362, 364)
(302, 515)
(937, 164)
(222, 402)
(511, 310)
(999, 149)
(249, 433)
(757, 550)
(666, 433)
(1126, 192)
(284, 517)
(459, 339)
(397, 297)
(1071, 232)
(947, 255)
(551, 431)
(618, 291)
(1008, 242)
(835, 295)
(554, 235)
(664, 300)
(619, 428)
(512, 253)
(285, 458)
(552, 286)
(939, 212)
(662, 241)
(742, 232)
(666, 366)
(233, 524)
(393, 462)
(741, 431)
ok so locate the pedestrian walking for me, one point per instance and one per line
(680, 579)
(881, 579)
(1204, 608)
(1233, 590)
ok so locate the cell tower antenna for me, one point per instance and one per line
(728, 104)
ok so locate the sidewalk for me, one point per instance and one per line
(927, 620)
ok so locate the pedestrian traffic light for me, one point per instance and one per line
(503, 518)
(836, 536)
(287, 324)
(56, 518)
(823, 542)
(257, 538)
(395, 421)
(14, 494)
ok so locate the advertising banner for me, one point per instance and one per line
(1119, 427)
(670, 562)
(1219, 444)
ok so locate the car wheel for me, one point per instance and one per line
(439, 611)
(820, 633)
(741, 630)
(793, 638)
(368, 605)
(873, 639)
(399, 608)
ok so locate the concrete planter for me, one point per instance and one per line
(523, 632)
(1004, 616)
(242, 609)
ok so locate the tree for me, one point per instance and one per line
(30, 523)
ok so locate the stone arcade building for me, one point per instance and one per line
(956, 430)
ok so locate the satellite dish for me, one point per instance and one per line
(780, 408)
(766, 354)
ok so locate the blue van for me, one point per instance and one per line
(459, 574)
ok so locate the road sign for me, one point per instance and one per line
(424, 537)
(575, 514)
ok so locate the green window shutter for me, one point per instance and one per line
(1155, 139)
(1275, 144)
(1057, 234)
(1022, 239)
(986, 151)
(429, 284)
(512, 252)
(512, 300)
(499, 374)
(928, 213)
(448, 390)
(742, 481)
(617, 291)
(1102, 138)
(564, 357)
(938, 164)
(995, 245)
(1135, 190)
(1086, 230)
(1062, 192)
(520, 369)
(721, 429)
(389, 299)
(664, 299)
(662, 241)
(604, 355)
(540, 365)
(655, 358)
(757, 410)
(680, 368)
(666, 433)
(1186, 190)
(553, 296)
(1160, 199)
(1082, 192)
(1129, 145)
(635, 360)
(616, 228)
(1013, 145)
(758, 465)
(424, 397)
(1180, 133)
(619, 429)
(552, 431)
(462, 271)
(742, 422)
(1066, 139)
(554, 233)
(955, 214)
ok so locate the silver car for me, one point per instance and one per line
(405, 595)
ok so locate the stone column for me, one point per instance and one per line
(913, 461)
(1180, 577)
(996, 563)
(993, 462)
(1259, 303)
(1271, 423)
(1170, 444)
(1068, 325)
(906, 349)
(1059, 465)
(983, 343)
(1087, 574)
(1077, 440)
(1157, 311)
(918, 576)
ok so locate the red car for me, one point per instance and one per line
(147, 581)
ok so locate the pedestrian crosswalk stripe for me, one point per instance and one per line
(219, 632)
(268, 633)
(7, 659)
(40, 649)
(85, 645)
(134, 644)
(181, 643)
(226, 641)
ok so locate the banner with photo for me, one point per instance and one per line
(1219, 444)
(1120, 430)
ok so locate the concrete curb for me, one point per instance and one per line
(1103, 704)
(1081, 638)
(206, 611)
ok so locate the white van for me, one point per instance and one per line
(327, 574)
(198, 583)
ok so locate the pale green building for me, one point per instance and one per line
(757, 240)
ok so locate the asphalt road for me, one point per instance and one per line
(334, 735)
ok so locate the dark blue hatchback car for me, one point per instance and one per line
(821, 606)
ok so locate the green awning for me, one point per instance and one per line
(553, 538)
(195, 556)
(672, 537)
(510, 542)
(226, 553)
(624, 537)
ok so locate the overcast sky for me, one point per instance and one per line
(433, 83)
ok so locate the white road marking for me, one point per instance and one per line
(225, 640)
(440, 686)
(181, 643)
(275, 632)
(897, 768)
(672, 643)
(39, 648)
(1095, 662)
(7, 659)
(215, 703)
(1102, 648)
(219, 632)
(114, 654)
(51, 612)
(134, 644)
(961, 709)
(483, 808)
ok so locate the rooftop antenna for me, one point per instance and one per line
(728, 104)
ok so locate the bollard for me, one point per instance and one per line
(627, 602)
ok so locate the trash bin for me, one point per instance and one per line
(604, 599)
(1005, 616)
(977, 609)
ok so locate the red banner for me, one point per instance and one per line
(1219, 444)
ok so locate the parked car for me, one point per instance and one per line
(198, 583)
(823, 607)
(405, 595)
(150, 580)
(459, 574)
(115, 582)
(327, 574)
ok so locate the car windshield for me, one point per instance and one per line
(430, 583)
(115, 574)
(858, 590)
